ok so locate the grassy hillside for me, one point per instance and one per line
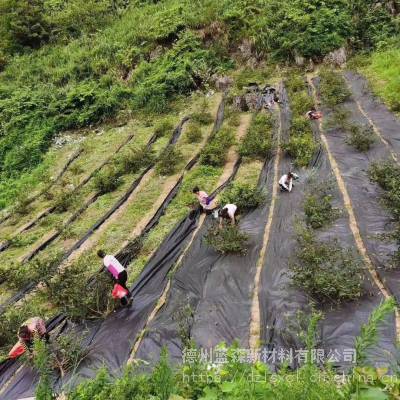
(59, 75)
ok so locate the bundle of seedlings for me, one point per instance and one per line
(324, 270)
(258, 143)
(318, 208)
(245, 196)
(227, 239)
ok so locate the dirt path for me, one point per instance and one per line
(352, 219)
(231, 160)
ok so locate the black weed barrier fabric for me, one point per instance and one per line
(377, 220)
(386, 121)
(110, 340)
(281, 302)
(211, 294)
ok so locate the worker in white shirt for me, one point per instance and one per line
(227, 213)
(286, 181)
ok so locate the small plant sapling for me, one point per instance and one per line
(228, 239)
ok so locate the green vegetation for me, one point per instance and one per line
(386, 175)
(227, 239)
(69, 290)
(258, 144)
(301, 145)
(163, 127)
(78, 63)
(134, 159)
(382, 69)
(361, 138)
(169, 161)
(243, 195)
(216, 150)
(234, 379)
(194, 133)
(333, 88)
(107, 180)
(325, 271)
(318, 208)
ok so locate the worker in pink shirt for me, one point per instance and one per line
(206, 202)
(118, 274)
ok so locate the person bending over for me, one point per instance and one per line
(286, 181)
(227, 212)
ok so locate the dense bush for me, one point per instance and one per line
(318, 207)
(107, 180)
(333, 88)
(227, 239)
(169, 161)
(258, 144)
(64, 200)
(163, 127)
(325, 271)
(361, 138)
(302, 145)
(134, 159)
(194, 133)
(69, 290)
(40, 269)
(215, 152)
(243, 195)
(202, 117)
(301, 148)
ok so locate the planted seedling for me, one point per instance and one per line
(228, 239)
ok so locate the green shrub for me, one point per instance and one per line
(215, 152)
(163, 377)
(325, 271)
(169, 161)
(69, 290)
(302, 149)
(64, 201)
(361, 138)
(228, 239)
(107, 180)
(301, 102)
(164, 127)
(243, 195)
(295, 82)
(300, 125)
(257, 144)
(202, 117)
(318, 207)
(135, 159)
(23, 204)
(194, 133)
(40, 269)
(333, 88)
